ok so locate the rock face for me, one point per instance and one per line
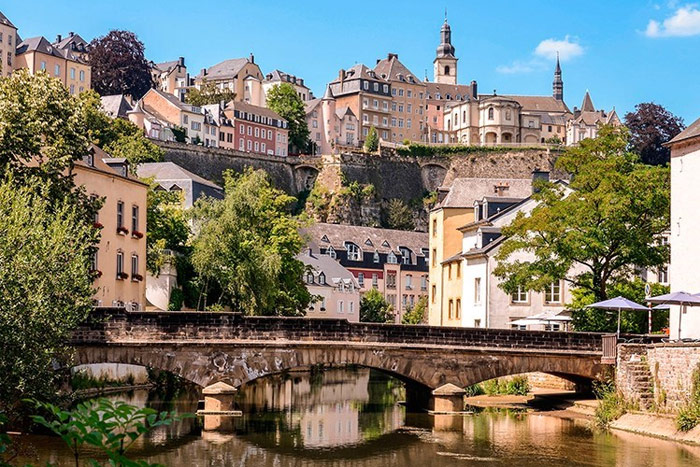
(356, 188)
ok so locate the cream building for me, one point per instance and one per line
(66, 63)
(8, 42)
(586, 121)
(454, 210)
(119, 262)
(279, 77)
(331, 127)
(171, 77)
(335, 288)
(240, 75)
(685, 228)
(158, 110)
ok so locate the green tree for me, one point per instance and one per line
(167, 226)
(208, 93)
(119, 65)
(374, 309)
(399, 215)
(593, 234)
(247, 244)
(372, 140)
(45, 285)
(283, 99)
(417, 313)
(118, 137)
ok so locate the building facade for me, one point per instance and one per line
(394, 262)
(240, 75)
(8, 43)
(169, 111)
(335, 288)
(685, 225)
(586, 121)
(65, 60)
(258, 129)
(278, 77)
(330, 127)
(171, 77)
(119, 262)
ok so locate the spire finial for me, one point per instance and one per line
(445, 14)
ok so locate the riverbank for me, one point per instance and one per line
(568, 404)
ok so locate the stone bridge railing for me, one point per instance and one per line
(116, 325)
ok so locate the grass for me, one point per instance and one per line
(611, 404)
(82, 380)
(515, 386)
(689, 415)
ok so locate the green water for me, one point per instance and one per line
(352, 418)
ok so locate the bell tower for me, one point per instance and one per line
(558, 83)
(445, 63)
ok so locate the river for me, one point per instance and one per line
(352, 417)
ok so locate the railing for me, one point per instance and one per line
(609, 349)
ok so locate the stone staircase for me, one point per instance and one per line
(642, 381)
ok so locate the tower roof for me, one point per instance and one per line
(328, 95)
(587, 105)
(445, 49)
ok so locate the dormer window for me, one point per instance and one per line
(353, 251)
(391, 259)
(331, 252)
(406, 255)
(376, 257)
(322, 279)
(310, 278)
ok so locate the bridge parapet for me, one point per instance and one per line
(117, 325)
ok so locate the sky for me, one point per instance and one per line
(623, 51)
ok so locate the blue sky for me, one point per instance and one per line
(624, 52)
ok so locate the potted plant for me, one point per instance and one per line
(136, 277)
(96, 273)
(122, 276)
(97, 225)
(136, 234)
(121, 230)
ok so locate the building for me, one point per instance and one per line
(685, 225)
(395, 262)
(407, 116)
(158, 110)
(119, 262)
(279, 77)
(240, 75)
(331, 127)
(171, 77)
(216, 118)
(171, 177)
(117, 106)
(368, 96)
(586, 121)
(455, 209)
(258, 129)
(8, 43)
(445, 63)
(65, 60)
(336, 289)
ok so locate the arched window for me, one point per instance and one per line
(322, 279)
(447, 70)
(490, 113)
(507, 114)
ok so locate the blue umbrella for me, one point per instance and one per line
(684, 299)
(619, 304)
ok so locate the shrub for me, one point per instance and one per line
(689, 415)
(177, 297)
(611, 404)
(514, 386)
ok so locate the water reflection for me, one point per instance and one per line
(351, 417)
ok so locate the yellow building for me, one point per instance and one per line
(456, 209)
(8, 42)
(119, 262)
(65, 63)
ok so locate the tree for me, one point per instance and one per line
(118, 137)
(167, 226)
(45, 285)
(399, 216)
(374, 309)
(284, 100)
(208, 93)
(651, 125)
(372, 140)
(247, 244)
(594, 233)
(119, 65)
(417, 313)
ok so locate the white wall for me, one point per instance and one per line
(684, 271)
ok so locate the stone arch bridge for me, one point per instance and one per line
(207, 348)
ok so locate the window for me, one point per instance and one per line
(553, 293)
(400, 92)
(424, 282)
(477, 323)
(134, 266)
(249, 145)
(120, 214)
(447, 70)
(134, 219)
(365, 85)
(490, 113)
(376, 87)
(269, 134)
(72, 73)
(551, 327)
(391, 259)
(81, 75)
(449, 271)
(375, 279)
(310, 278)
(257, 132)
(450, 307)
(434, 227)
(458, 309)
(663, 275)
(353, 251)
(331, 252)
(72, 88)
(196, 126)
(250, 130)
(406, 257)
(409, 282)
(519, 296)
(376, 257)
(241, 144)
(57, 70)
(42, 65)
(433, 293)
(477, 290)
(257, 146)
(459, 269)
(322, 279)
(263, 147)
(385, 88)
(352, 307)
(391, 280)
(400, 107)
(120, 264)
(340, 306)
(434, 256)
(361, 279)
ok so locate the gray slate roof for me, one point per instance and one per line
(692, 131)
(116, 106)
(172, 172)
(331, 268)
(367, 238)
(226, 69)
(42, 45)
(464, 191)
(5, 20)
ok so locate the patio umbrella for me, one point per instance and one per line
(684, 299)
(620, 304)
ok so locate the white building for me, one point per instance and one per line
(685, 227)
(336, 289)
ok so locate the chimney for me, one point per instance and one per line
(391, 55)
(378, 60)
(204, 72)
(181, 61)
(58, 38)
(71, 34)
(301, 82)
(537, 177)
(251, 59)
(475, 94)
(341, 75)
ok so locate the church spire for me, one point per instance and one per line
(445, 63)
(558, 84)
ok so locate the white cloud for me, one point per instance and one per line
(542, 56)
(567, 49)
(684, 22)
